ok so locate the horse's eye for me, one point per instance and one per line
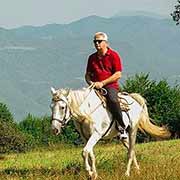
(62, 107)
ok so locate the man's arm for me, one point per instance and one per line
(88, 78)
(117, 75)
(114, 77)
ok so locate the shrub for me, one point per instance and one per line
(40, 131)
(163, 101)
(11, 139)
(5, 114)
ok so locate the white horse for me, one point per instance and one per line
(94, 121)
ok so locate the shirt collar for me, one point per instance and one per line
(107, 53)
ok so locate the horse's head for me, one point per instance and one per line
(60, 109)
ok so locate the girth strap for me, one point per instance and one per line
(108, 128)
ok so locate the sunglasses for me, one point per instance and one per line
(97, 41)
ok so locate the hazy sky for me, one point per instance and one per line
(15, 13)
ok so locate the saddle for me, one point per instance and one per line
(124, 105)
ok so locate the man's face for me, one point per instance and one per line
(99, 43)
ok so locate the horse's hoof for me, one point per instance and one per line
(92, 176)
(138, 172)
(127, 174)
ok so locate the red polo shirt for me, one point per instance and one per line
(103, 67)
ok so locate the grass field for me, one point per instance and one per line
(158, 161)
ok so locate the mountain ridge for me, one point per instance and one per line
(35, 58)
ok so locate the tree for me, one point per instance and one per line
(5, 114)
(176, 13)
(11, 138)
(163, 101)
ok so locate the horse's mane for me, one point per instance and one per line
(77, 97)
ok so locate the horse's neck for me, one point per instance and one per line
(77, 97)
(84, 100)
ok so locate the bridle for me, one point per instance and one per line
(65, 119)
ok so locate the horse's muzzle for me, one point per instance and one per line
(55, 131)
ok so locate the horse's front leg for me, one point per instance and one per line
(88, 155)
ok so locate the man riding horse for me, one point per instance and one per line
(104, 69)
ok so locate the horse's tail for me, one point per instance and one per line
(145, 123)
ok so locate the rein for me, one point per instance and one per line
(60, 121)
(72, 113)
(104, 91)
(75, 114)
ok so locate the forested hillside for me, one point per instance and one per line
(32, 59)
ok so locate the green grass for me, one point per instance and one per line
(158, 161)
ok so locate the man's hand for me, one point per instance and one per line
(98, 85)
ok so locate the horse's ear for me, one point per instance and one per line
(53, 91)
(65, 92)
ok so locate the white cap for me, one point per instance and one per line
(103, 36)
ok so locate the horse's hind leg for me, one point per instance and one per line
(136, 163)
(125, 142)
(131, 152)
